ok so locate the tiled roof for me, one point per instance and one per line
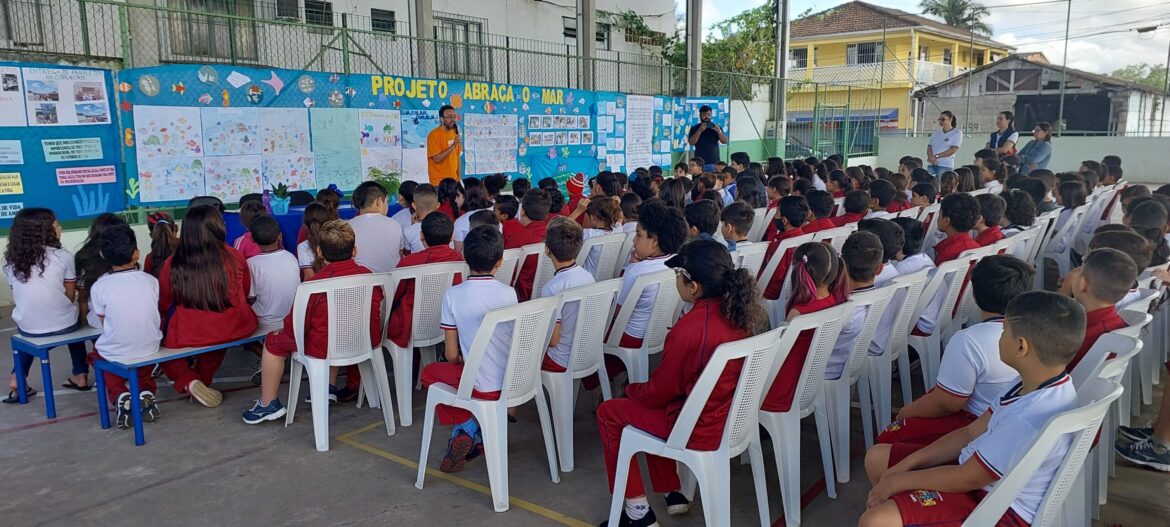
(861, 16)
(1031, 59)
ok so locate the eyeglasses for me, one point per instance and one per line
(679, 271)
(943, 119)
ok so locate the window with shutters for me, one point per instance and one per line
(383, 21)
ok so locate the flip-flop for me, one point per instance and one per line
(73, 386)
(13, 398)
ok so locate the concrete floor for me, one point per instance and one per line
(204, 466)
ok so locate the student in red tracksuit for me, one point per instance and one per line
(722, 312)
(203, 301)
(1102, 281)
(818, 282)
(436, 235)
(336, 245)
(856, 206)
(789, 222)
(507, 208)
(991, 208)
(534, 216)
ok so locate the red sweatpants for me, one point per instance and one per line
(116, 385)
(449, 374)
(612, 417)
(182, 374)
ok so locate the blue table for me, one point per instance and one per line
(290, 224)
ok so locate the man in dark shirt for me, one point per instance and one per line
(706, 137)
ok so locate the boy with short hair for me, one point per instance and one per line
(122, 306)
(437, 229)
(991, 208)
(561, 244)
(892, 240)
(426, 201)
(790, 218)
(958, 214)
(862, 254)
(483, 217)
(911, 259)
(1102, 281)
(971, 375)
(274, 273)
(856, 205)
(464, 307)
(702, 219)
(881, 195)
(695, 166)
(337, 245)
(820, 202)
(923, 195)
(533, 216)
(737, 224)
(379, 238)
(1040, 334)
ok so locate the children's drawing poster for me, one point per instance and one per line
(230, 131)
(60, 146)
(284, 131)
(336, 148)
(416, 124)
(230, 177)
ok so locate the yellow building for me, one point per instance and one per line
(871, 59)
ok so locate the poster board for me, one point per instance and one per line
(58, 141)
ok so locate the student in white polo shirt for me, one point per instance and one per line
(971, 376)
(562, 242)
(379, 238)
(426, 201)
(911, 259)
(942, 483)
(476, 200)
(316, 215)
(464, 307)
(123, 304)
(893, 239)
(275, 274)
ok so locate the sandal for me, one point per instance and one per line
(73, 386)
(13, 398)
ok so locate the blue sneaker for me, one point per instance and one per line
(332, 395)
(259, 414)
(1146, 453)
(1136, 433)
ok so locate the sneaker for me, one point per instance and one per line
(259, 414)
(1136, 433)
(150, 410)
(206, 395)
(646, 521)
(677, 504)
(332, 395)
(1146, 453)
(123, 419)
(456, 455)
(476, 452)
(345, 395)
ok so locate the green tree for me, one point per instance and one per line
(744, 44)
(966, 14)
(1152, 75)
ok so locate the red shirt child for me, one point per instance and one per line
(818, 225)
(989, 236)
(951, 247)
(402, 310)
(783, 389)
(317, 316)
(776, 284)
(189, 327)
(847, 218)
(511, 229)
(531, 233)
(1097, 322)
(897, 206)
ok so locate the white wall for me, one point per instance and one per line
(743, 114)
(1143, 158)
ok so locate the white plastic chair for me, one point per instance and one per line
(784, 427)
(948, 278)
(1045, 222)
(531, 323)
(929, 219)
(838, 391)
(750, 257)
(760, 222)
(905, 300)
(835, 236)
(349, 299)
(662, 314)
(1024, 243)
(431, 282)
(1082, 424)
(609, 257)
(775, 307)
(1060, 246)
(711, 468)
(838, 206)
(595, 302)
(509, 265)
(624, 255)
(545, 269)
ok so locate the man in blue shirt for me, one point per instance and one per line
(706, 137)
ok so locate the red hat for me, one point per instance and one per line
(576, 184)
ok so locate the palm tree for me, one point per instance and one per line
(966, 14)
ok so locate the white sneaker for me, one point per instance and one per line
(206, 395)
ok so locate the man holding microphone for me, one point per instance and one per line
(706, 137)
(444, 147)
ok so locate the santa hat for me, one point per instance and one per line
(576, 184)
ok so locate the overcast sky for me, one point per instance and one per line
(1037, 25)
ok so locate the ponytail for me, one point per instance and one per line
(741, 301)
(804, 287)
(1160, 253)
(817, 264)
(163, 240)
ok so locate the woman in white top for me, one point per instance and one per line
(944, 144)
(43, 280)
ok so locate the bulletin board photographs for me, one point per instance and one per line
(533, 122)
(39, 90)
(10, 82)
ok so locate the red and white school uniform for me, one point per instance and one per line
(246, 246)
(654, 406)
(783, 389)
(189, 327)
(971, 369)
(412, 239)
(819, 224)
(897, 206)
(847, 218)
(635, 330)
(1097, 322)
(122, 304)
(1016, 422)
(275, 275)
(989, 236)
(402, 310)
(447, 209)
(531, 233)
(557, 358)
(772, 289)
(283, 343)
(511, 228)
(913, 263)
(464, 307)
(463, 225)
(305, 255)
(952, 246)
(847, 338)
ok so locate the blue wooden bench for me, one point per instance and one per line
(39, 347)
(129, 371)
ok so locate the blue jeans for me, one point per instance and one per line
(937, 170)
(77, 352)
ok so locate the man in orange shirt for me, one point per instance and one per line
(444, 147)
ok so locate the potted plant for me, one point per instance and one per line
(388, 179)
(280, 198)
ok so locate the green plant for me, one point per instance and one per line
(280, 191)
(388, 179)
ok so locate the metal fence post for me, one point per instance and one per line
(232, 39)
(507, 59)
(124, 29)
(345, 43)
(568, 68)
(84, 28)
